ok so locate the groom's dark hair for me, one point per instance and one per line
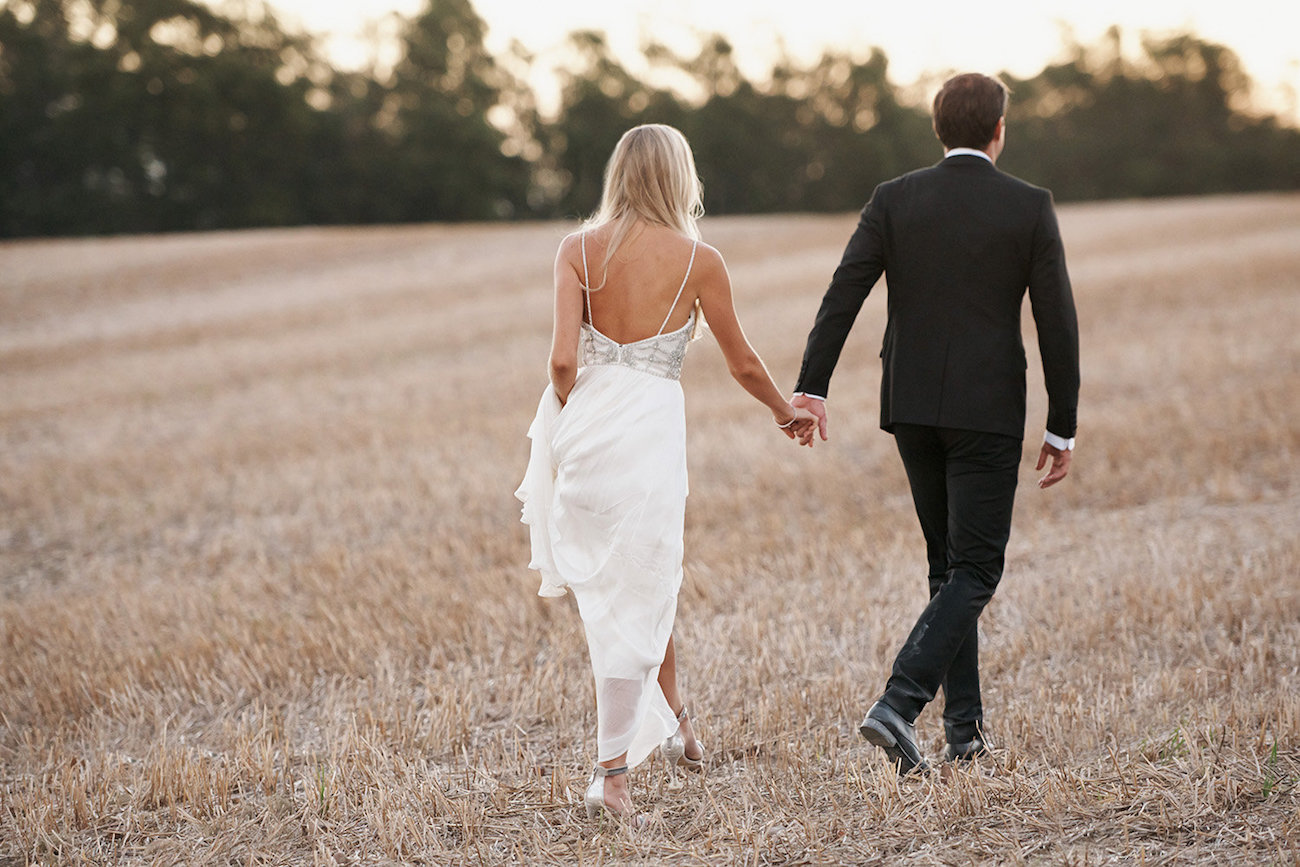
(967, 109)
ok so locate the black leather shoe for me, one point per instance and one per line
(969, 751)
(884, 728)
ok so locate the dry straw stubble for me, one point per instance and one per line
(263, 596)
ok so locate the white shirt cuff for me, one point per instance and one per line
(806, 394)
(1058, 442)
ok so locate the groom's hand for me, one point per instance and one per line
(805, 424)
(817, 408)
(1060, 464)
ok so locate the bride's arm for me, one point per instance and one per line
(714, 289)
(568, 319)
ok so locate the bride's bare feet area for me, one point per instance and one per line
(694, 753)
(618, 798)
(608, 793)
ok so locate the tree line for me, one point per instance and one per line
(159, 115)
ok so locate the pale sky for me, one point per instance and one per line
(1019, 36)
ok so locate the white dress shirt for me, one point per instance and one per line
(966, 152)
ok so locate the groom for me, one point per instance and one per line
(959, 242)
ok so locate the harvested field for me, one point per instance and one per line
(264, 597)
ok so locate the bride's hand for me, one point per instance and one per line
(801, 427)
(804, 427)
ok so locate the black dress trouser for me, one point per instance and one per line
(964, 486)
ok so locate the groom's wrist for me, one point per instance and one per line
(813, 396)
(1062, 443)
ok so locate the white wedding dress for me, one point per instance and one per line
(604, 498)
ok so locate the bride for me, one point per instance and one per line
(605, 491)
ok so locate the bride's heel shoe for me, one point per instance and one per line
(674, 749)
(595, 797)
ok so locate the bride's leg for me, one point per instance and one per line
(617, 797)
(668, 683)
(617, 700)
(668, 677)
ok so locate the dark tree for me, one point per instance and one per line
(144, 115)
(1174, 122)
(157, 115)
(448, 162)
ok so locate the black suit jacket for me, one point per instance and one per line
(959, 243)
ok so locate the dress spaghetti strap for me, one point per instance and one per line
(586, 281)
(680, 290)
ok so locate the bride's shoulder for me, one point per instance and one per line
(569, 255)
(573, 240)
(573, 244)
(708, 258)
(707, 250)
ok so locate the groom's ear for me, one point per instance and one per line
(999, 140)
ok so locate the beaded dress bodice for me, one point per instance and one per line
(659, 355)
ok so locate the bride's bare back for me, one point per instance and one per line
(636, 291)
(642, 280)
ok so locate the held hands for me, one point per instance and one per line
(800, 427)
(1060, 464)
(817, 408)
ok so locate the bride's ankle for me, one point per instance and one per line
(694, 751)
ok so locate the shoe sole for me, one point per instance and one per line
(878, 734)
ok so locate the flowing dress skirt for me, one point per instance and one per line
(604, 498)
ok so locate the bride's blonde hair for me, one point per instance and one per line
(651, 177)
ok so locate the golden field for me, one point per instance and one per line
(264, 596)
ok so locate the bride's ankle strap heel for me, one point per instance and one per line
(674, 748)
(594, 800)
